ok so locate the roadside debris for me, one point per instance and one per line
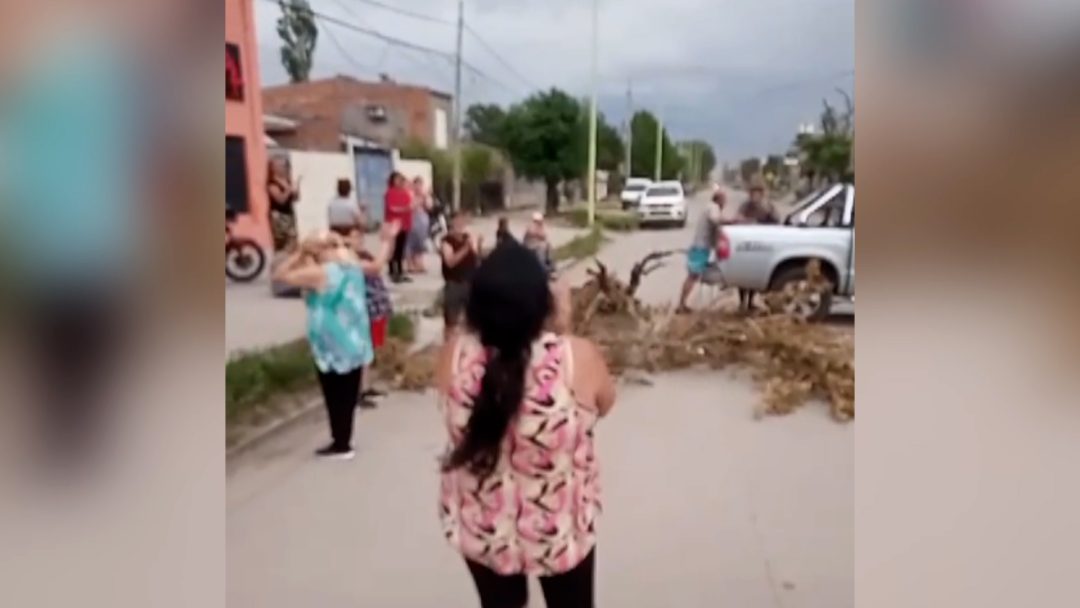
(792, 361)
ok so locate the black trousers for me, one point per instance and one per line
(340, 392)
(397, 263)
(746, 299)
(76, 339)
(573, 589)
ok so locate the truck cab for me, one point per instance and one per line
(821, 226)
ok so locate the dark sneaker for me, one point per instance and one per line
(332, 451)
(367, 404)
(372, 393)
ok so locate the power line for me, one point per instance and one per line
(348, 56)
(447, 22)
(498, 56)
(406, 13)
(382, 56)
(363, 30)
(392, 40)
(806, 82)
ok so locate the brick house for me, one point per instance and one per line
(385, 113)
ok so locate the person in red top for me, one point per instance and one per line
(399, 208)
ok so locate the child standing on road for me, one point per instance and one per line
(380, 309)
(338, 323)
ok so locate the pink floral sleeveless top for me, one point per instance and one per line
(536, 512)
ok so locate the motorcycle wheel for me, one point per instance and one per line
(244, 260)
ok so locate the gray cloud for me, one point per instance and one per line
(739, 73)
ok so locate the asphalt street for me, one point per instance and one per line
(704, 505)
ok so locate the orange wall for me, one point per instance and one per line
(244, 119)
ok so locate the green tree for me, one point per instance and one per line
(298, 32)
(542, 135)
(610, 151)
(827, 155)
(643, 161)
(484, 124)
(699, 159)
(441, 166)
(749, 168)
(479, 164)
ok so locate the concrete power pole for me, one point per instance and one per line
(592, 118)
(629, 130)
(659, 147)
(455, 120)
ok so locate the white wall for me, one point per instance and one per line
(441, 129)
(412, 168)
(319, 173)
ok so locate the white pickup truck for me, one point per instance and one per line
(765, 257)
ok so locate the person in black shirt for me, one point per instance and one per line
(460, 252)
(755, 210)
(283, 195)
(502, 232)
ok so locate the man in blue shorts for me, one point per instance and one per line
(706, 237)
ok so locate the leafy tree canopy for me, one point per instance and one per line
(541, 136)
(298, 32)
(484, 124)
(643, 126)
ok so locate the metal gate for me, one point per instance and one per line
(373, 168)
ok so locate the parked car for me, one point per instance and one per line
(821, 227)
(663, 203)
(632, 191)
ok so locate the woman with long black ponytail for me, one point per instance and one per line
(519, 478)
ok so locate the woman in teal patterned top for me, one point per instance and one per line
(338, 327)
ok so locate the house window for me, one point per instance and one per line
(236, 174)
(376, 113)
(234, 76)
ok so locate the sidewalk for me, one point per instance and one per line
(256, 320)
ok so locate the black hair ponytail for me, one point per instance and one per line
(501, 392)
(509, 302)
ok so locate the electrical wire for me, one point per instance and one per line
(406, 13)
(341, 50)
(392, 40)
(498, 56)
(441, 21)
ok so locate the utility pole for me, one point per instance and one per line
(455, 120)
(592, 117)
(629, 130)
(659, 147)
(695, 163)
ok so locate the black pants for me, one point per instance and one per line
(455, 299)
(573, 589)
(746, 299)
(340, 392)
(76, 339)
(397, 267)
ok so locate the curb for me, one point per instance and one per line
(285, 422)
(272, 429)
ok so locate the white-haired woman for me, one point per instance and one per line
(338, 326)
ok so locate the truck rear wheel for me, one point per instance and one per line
(802, 300)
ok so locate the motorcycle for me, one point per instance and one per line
(244, 258)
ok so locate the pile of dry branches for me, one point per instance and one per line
(793, 361)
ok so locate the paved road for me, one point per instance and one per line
(254, 319)
(704, 506)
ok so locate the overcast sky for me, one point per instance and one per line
(741, 74)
